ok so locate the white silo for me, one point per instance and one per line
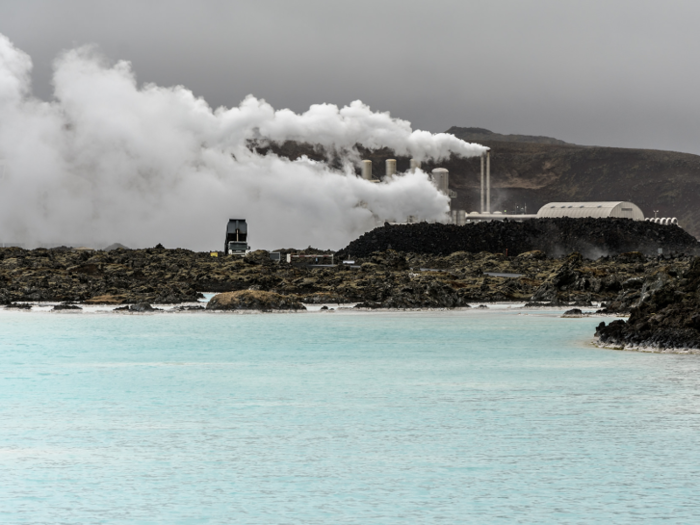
(441, 179)
(367, 169)
(415, 165)
(459, 217)
(390, 167)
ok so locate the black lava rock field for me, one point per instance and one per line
(592, 238)
(666, 317)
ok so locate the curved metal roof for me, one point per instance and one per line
(619, 209)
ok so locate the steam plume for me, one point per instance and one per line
(109, 161)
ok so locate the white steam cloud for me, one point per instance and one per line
(108, 161)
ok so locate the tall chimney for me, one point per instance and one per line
(367, 169)
(390, 167)
(481, 210)
(488, 181)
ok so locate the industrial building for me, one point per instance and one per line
(667, 221)
(602, 209)
(236, 237)
(440, 177)
(617, 209)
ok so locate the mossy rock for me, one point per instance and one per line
(253, 300)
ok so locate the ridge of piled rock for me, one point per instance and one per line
(555, 237)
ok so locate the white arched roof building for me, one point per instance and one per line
(618, 209)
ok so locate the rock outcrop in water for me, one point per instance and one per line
(555, 237)
(253, 300)
(665, 314)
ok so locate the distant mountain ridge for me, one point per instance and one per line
(479, 134)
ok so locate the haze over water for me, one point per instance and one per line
(394, 418)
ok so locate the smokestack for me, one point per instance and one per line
(367, 169)
(390, 167)
(415, 165)
(481, 210)
(488, 182)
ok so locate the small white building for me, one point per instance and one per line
(617, 209)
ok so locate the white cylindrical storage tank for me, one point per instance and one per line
(441, 179)
(415, 165)
(367, 169)
(390, 167)
(458, 217)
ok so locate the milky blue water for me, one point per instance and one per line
(340, 418)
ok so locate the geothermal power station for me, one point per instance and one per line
(236, 242)
(440, 177)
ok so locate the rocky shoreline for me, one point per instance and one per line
(664, 317)
(388, 279)
(661, 293)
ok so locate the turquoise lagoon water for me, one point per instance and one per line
(340, 418)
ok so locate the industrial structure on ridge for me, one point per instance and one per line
(237, 229)
(440, 177)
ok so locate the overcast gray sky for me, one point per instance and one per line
(613, 73)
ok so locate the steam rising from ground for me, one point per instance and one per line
(109, 161)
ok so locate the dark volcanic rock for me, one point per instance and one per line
(575, 312)
(189, 308)
(555, 237)
(386, 279)
(60, 307)
(138, 307)
(666, 315)
(19, 306)
(557, 288)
